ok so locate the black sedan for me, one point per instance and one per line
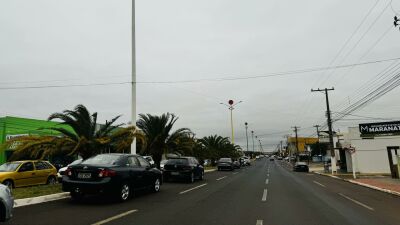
(187, 168)
(225, 163)
(115, 174)
(301, 167)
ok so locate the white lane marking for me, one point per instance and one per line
(235, 172)
(264, 197)
(267, 181)
(191, 189)
(268, 175)
(319, 183)
(115, 217)
(259, 222)
(357, 202)
(221, 178)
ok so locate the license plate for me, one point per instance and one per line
(84, 175)
(174, 173)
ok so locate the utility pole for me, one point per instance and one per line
(328, 112)
(247, 138)
(297, 142)
(133, 89)
(319, 148)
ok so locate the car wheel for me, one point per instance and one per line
(9, 184)
(51, 180)
(201, 175)
(157, 185)
(124, 192)
(191, 177)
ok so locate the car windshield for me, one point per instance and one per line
(103, 160)
(180, 161)
(9, 167)
(225, 160)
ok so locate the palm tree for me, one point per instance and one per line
(84, 138)
(159, 136)
(215, 147)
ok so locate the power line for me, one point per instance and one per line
(274, 74)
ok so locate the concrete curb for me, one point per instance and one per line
(362, 184)
(40, 199)
(210, 170)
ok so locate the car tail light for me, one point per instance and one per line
(68, 172)
(107, 173)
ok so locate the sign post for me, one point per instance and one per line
(352, 151)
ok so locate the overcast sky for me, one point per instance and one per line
(47, 43)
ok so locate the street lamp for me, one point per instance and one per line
(247, 138)
(231, 108)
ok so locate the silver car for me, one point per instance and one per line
(6, 204)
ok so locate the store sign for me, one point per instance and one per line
(380, 128)
(11, 136)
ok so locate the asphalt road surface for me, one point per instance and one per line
(265, 193)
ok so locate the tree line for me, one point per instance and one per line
(155, 136)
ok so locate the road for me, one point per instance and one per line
(265, 193)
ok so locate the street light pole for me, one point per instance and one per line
(231, 108)
(252, 137)
(247, 138)
(133, 97)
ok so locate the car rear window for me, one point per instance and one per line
(180, 161)
(225, 160)
(103, 160)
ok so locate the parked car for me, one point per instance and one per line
(6, 203)
(225, 163)
(26, 173)
(301, 167)
(187, 168)
(61, 171)
(149, 159)
(115, 174)
(162, 163)
(236, 164)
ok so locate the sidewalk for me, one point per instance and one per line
(382, 183)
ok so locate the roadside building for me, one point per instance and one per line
(11, 127)
(302, 143)
(374, 148)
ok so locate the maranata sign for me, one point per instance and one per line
(380, 128)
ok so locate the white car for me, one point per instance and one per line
(61, 171)
(7, 203)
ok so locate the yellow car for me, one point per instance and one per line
(26, 173)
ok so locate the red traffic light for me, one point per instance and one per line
(230, 102)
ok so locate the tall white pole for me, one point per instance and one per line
(233, 135)
(133, 98)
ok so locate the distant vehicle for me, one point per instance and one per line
(61, 171)
(301, 167)
(114, 174)
(149, 159)
(187, 168)
(162, 163)
(225, 163)
(258, 157)
(6, 203)
(279, 158)
(27, 173)
(271, 159)
(236, 164)
(247, 161)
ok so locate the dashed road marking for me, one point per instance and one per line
(191, 189)
(221, 178)
(264, 197)
(259, 222)
(319, 183)
(267, 181)
(357, 202)
(115, 217)
(235, 173)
